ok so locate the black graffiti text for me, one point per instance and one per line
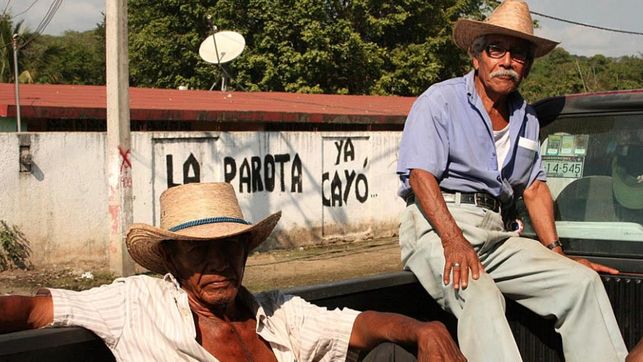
(340, 188)
(344, 180)
(346, 148)
(191, 170)
(258, 174)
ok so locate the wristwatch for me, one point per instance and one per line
(554, 244)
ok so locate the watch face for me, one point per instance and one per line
(555, 244)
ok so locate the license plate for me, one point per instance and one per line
(563, 166)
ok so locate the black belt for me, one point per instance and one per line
(480, 199)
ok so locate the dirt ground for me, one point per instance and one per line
(264, 271)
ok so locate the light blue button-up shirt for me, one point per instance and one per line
(449, 134)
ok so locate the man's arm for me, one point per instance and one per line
(433, 341)
(540, 206)
(19, 312)
(456, 248)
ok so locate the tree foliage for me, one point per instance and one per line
(329, 46)
(73, 58)
(561, 73)
(7, 30)
(396, 47)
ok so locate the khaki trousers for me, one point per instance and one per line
(518, 268)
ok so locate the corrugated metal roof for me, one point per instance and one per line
(48, 101)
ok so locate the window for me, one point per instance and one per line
(594, 167)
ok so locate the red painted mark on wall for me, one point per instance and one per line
(115, 213)
(125, 163)
(126, 166)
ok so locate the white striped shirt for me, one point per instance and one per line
(141, 318)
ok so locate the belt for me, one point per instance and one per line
(480, 199)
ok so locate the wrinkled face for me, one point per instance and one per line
(209, 271)
(502, 73)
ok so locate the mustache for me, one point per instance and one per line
(505, 73)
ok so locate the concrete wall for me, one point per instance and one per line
(329, 185)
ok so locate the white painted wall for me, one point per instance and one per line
(61, 206)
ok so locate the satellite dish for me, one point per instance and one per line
(228, 45)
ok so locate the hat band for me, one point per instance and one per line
(210, 220)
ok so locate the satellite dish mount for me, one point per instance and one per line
(221, 47)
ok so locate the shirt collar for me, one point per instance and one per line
(170, 278)
(249, 300)
(245, 297)
(244, 294)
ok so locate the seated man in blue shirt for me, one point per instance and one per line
(469, 148)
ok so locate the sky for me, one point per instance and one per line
(83, 15)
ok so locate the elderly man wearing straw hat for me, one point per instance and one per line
(199, 311)
(468, 150)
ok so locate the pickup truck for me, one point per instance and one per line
(592, 150)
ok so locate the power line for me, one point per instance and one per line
(587, 25)
(579, 23)
(27, 9)
(53, 8)
(6, 7)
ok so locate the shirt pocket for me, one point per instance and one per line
(525, 159)
(528, 144)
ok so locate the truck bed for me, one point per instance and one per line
(398, 292)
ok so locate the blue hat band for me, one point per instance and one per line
(210, 220)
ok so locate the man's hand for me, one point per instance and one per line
(433, 341)
(636, 355)
(599, 268)
(435, 344)
(19, 312)
(460, 257)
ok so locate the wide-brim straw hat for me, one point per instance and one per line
(510, 18)
(196, 212)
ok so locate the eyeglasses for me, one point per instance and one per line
(519, 54)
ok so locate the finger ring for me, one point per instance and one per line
(456, 265)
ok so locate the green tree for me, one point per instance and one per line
(7, 30)
(164, 39)
(327, 46)
(73, 58)
(562, 73)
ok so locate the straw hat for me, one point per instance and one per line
(509, 18)
(198, 211)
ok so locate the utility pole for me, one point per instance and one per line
(119, 165)
(15, 75)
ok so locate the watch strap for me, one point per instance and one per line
(554, 244)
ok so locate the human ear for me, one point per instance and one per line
(166, 249)
(476, 63)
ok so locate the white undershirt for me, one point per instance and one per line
(501, 139)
